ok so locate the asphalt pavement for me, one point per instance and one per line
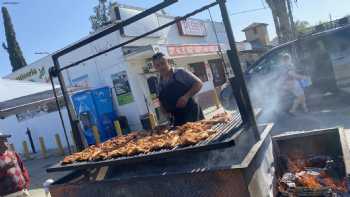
(37, 172)
(327, 111)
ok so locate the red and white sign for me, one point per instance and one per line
(191, 27)
(185, 50)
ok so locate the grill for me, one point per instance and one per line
(325, 150)
(223, 138)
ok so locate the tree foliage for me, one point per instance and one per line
(301, 26)
(12, 47)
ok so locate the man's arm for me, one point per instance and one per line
(24, 171)
(196, 87)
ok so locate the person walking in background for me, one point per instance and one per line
(292, 84)
(14, 177)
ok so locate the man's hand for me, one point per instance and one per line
(182, 102)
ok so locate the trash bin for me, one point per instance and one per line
(146, 121)
(124, 124)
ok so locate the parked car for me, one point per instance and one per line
(322, 56)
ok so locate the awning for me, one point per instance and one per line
(22, 96)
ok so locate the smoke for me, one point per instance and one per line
(266, 92)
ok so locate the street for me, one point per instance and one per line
(38, 175)
(325, 112)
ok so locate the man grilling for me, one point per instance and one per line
(176, 90)
(14, 177)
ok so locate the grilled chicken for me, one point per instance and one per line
(142, 143)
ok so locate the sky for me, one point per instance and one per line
(49, 25)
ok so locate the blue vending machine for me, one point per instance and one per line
(95, 107)
(85, 108)
(105, 112)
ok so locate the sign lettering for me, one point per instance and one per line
(184, 50)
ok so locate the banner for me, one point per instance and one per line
(122, 88)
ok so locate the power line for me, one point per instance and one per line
(248, 11)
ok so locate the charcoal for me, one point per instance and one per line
(327, 173)
(335, 170)
(319, 161)
(288, 178)
(314, 171)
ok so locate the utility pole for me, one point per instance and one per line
(291, 19)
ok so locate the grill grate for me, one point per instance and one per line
(303, 191)
(221, 139)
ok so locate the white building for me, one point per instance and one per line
(191, 44)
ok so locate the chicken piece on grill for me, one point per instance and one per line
(119, 152)
(217, 119)
(85, 154)
(70, 158)
(194, 127)
(174, 139)
(159, 144)
(98, 154)
(141, 142)
(132, 149)
(191, 138)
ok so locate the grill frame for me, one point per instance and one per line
(225, 137)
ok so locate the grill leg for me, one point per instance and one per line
(241, 91)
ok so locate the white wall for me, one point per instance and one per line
(45, 126)
(132, 110)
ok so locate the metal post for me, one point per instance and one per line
(26, 150)
(29, 133)
(240, 88)
(59, 110)
(71, 113)
(43, 147)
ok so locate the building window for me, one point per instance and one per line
(199, 70)
(218, 70)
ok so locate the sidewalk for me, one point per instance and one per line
(37, 171)
(38, 193)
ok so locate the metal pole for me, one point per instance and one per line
(59, 111)
(71, 113)
(29, 133)
(240, 88)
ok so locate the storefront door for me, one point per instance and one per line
(199, 70)
(217, 68)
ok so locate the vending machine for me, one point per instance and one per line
(106, 115)
(86, 112)
(95, 107)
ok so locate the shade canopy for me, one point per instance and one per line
(23, 96)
